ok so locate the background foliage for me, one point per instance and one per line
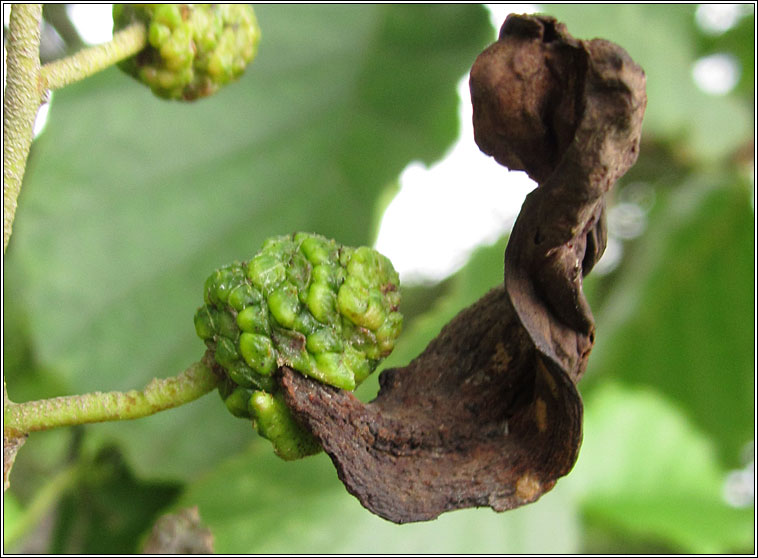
(129, 202)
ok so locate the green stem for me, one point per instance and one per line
(127, 42)
(158, 395)
(21, 102)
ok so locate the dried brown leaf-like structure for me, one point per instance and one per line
(11, 445)
(488, 414)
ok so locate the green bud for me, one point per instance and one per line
(317, 249)
(375, 313)
(284, 305)
(352, 300)
(204, 323)
(391, 297)
(266, 271)
(243, 295)
(291, 346)
(322, 302)
(388, 332)
(258, 352)
(274, 421)
(158, 34)
(209, 288)
(345, 254)
(176, 52)
(303, 301)
(226, 325)
(331, 276)
(193, 49)
(241, 374)
(357, 362)
(366, 266)
(254, 319)
(221, 282)
(361, 339)
(324, 340)
(305, 323)
(238, 402)
(226, 352)
(168, 15)
(299, 272)
(330, 369)
(207, 29)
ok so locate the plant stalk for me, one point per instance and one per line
(127, 42)
(21, 102)
(158, 395)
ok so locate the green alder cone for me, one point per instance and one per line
(303, 301)
(193, 49)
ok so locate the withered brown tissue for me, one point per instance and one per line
(489, 413)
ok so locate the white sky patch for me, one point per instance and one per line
(42, 113)
(93, 22)
(611, 258)
(739, 485)
(444, 212)
(716, 74)
(718, 18)
(498, 12)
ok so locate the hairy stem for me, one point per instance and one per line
(158, 395)
(21, 102)
(127, 42)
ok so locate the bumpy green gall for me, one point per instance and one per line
(193, 49)
(304, 301)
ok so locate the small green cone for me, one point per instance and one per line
(266, 271)
(322, 302)
(303, 301)
(254, 319)
(204, 326)
(284, 304)
(193, 49)
(258, 352)
(324, 340)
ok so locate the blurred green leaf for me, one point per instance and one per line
(130, 201)
(681, 315)
(109, 509)
(740, 42)
(31, 380)
(12, 514)
(257, 503)
(644, 469)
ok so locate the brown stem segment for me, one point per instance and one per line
(489, 413)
